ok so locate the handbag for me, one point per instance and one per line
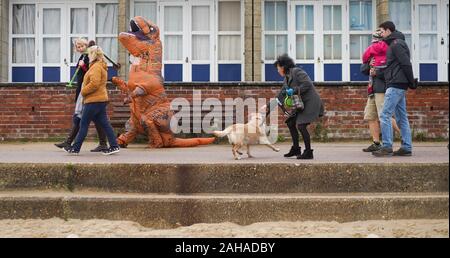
(293, 100)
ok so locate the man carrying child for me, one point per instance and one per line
(374, 59)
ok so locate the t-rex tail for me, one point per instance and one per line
(191, 142)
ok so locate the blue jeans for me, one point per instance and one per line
(395, 103)
(94, 112)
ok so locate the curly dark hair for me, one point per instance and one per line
(387, 25)
(286, 62)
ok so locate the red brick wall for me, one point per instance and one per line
(44, 110)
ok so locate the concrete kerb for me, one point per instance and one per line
(168, 212)
(227, 178)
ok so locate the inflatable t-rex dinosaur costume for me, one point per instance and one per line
(149, 105)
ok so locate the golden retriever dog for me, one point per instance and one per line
(239, 135)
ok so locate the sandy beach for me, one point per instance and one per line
(58, 228)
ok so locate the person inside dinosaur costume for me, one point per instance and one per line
(149, 105)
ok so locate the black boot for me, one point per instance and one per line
(307, 154)
(295, 151)
(68, 142)
(102, 146)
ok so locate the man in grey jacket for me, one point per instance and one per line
(398, 75)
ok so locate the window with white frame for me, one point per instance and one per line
(275, 29)
(422, 22)
(146, 9)
(332, 28)
(23, 43)
(216, 29)
(275, 39)
(51, 35)
(229, 31)
(303, 45)
(446, 29)
(316, 37)
(107, 24)
(229, 41)
(430, 34)
(304, 27)
(360, 27)
(200, 33)
(23, 34)
(79, 28)
(428, 31)
(173, 33)
(400, 14)
(42, 36)
(335, 40)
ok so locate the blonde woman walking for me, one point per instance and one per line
(95, 100)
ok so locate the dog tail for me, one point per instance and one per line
(224, 132)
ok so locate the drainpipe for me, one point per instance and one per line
(253, 40)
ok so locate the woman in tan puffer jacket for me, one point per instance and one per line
(95, 99)
(94, 89)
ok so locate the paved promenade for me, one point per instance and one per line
(428, 152)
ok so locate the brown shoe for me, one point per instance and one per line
(402, 152)
(373, 147)
(383, 152)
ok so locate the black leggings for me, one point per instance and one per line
(292, 125)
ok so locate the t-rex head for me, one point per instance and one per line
(143, 39)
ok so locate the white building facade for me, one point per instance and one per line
(216, 40)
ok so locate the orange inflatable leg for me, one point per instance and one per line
(154, 136)
(167, 138)
(132, 130)
(162, 121)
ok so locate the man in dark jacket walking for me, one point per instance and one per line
(374, 57)
(399, 77)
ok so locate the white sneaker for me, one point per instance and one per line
(111, 150)
(71, 151)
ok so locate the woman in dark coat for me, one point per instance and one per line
(300, 116)
(81, 46)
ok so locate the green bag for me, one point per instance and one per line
(288, 102)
